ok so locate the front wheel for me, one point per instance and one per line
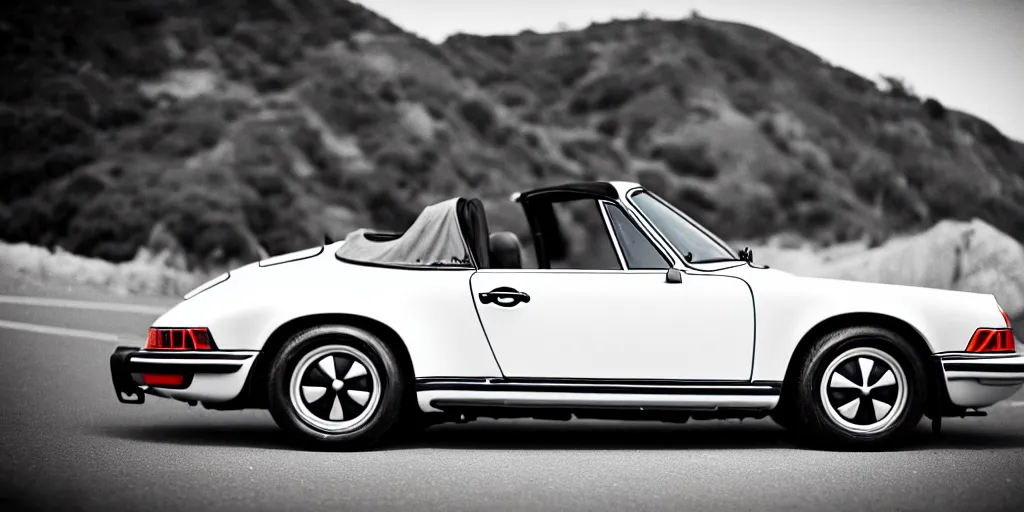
(861, 388)
(336, 386)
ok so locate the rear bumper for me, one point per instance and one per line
(982, 380)
(207, 376)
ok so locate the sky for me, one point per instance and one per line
(968, 54)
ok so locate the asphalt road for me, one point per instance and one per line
(66, 443)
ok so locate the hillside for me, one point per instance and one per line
(215, 129)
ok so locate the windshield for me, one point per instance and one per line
(682, 232)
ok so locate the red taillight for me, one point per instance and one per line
(180, 339)
(991, 340)
(162, 379)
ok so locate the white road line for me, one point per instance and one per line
(60, 331)
(1016, 404)
(82, 304)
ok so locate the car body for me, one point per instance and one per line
(660, 320)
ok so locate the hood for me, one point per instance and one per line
(769, 276)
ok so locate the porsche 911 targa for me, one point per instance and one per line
(649, 317)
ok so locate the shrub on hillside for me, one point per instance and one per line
(414, 163)
(715, 43)
(751, 212)
(70, 196)
(102, 230)
(852, 81)
(691, 199)
(791, 184)
(686, 159)
(749, 98)
(478, 114)
(595, 156)
(605, 93)
(986, 133)
(781, 128)
(942, 185)
(609, 126)
(898, 88)
(390, 209)
(514, 97)
(184, 129)
(872, 177)
(274, 46)
(637, 130)
(41, 145)
(223, 238)
(569, 67)
(654, 180)
(934, 109)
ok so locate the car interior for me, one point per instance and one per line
(556, 247)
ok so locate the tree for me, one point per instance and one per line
(935, 109)
(897, 87)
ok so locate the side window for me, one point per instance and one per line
(588, 244)
(637, 250)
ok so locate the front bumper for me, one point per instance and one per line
(975, 380)
(208, 376)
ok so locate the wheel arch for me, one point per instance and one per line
(261, 368)
(845, 320)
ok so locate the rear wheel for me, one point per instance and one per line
(860, 388)
(336, 386)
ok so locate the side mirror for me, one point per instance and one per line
(747, 255)
(674, 275)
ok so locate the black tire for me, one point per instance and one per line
(782, 414)
(301, 414)
(848, 413)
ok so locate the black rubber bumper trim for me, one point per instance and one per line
(198, 354)
(127, 391)
(983, 368)
(218, 368)
(126, 362)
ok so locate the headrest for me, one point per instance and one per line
(473, 221)
(506, 252)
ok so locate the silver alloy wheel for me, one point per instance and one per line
(335, 388)
(864, 390)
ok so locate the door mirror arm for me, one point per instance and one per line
(674, 275)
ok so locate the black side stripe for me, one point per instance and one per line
(604, 387)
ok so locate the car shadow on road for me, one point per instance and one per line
(601, 435)
(710, 434)
(240, 436)
(546, 435)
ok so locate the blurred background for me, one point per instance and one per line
(149, 144)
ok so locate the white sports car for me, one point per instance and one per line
(650, 317)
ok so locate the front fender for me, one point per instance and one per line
(788, 307)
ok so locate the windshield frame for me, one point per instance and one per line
(708, 234)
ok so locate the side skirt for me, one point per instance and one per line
(599, 399)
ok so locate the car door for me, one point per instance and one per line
(625, 323)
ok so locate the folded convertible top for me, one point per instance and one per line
(434, 239)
